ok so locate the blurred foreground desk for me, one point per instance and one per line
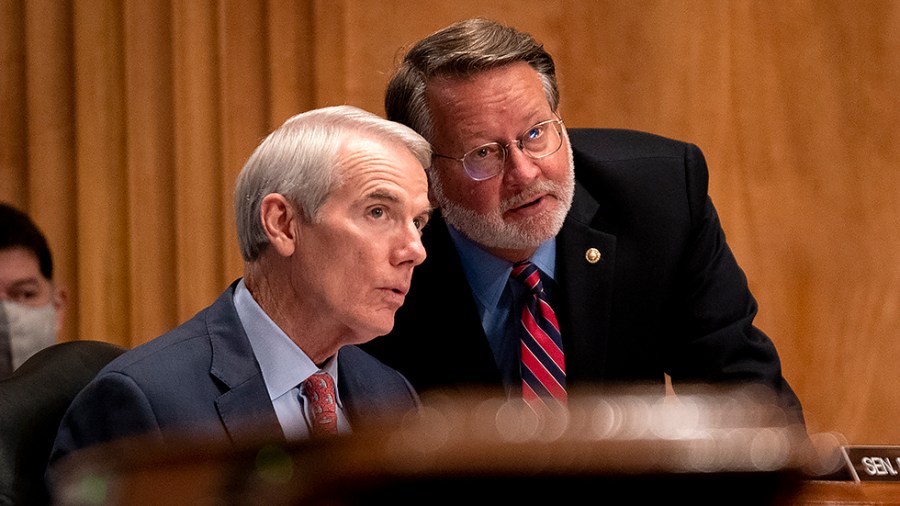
(704, 448)
(846, 493)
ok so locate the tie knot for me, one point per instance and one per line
(528, 273)
(319, 385)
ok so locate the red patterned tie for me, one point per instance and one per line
(543, 366)
(319, 391)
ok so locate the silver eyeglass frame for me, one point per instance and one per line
(504, 149)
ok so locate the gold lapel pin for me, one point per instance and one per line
(592, 255)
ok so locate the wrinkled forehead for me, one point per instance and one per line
(368, 162)
(492, 106)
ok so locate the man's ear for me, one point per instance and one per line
(279, 222)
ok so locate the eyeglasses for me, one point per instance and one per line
(486, 161)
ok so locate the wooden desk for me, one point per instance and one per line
(458, 451)
(846, 493)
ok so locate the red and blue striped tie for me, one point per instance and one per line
(543, 366)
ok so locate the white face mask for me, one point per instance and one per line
(30, 329)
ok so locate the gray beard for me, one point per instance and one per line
(491, 231)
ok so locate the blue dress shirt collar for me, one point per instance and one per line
(488, 275)
(284, 365)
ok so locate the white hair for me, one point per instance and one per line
(300, 160)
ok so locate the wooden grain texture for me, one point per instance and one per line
(150, 162)
(12, 103)
(101, 176)
(245, 104)
(199, 238)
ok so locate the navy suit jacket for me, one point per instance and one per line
(202, 377)
(666, 297)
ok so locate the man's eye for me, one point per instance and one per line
(376, 212)
(534, 133)
(422, 222)
(24, 297)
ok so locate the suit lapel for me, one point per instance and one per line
(586, 290)
(358, 385)
(372, 396)
(244, 408)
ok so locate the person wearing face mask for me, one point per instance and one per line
(32, 306)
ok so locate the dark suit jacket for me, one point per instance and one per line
(667, 295)
(203, 377)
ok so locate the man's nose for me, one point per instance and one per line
(520, 168)
(411, 248)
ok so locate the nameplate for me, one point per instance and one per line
(873, 463)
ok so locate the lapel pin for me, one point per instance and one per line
(592, 255)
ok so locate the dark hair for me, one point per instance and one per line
(18, 231)
(462, 49)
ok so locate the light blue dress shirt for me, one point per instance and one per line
(284, 367)
(500, 299)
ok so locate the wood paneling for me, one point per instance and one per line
(102, 173)
(150, 161)
(12, 103)
(199, 238)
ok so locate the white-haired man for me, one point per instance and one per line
(329, 212)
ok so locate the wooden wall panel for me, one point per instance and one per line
(794, 104)
(102, 187)
(291, 43)
(150, 161)
(245, 102)
(332, 70)
(199, 237)
(813, 168)
(12, 103)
